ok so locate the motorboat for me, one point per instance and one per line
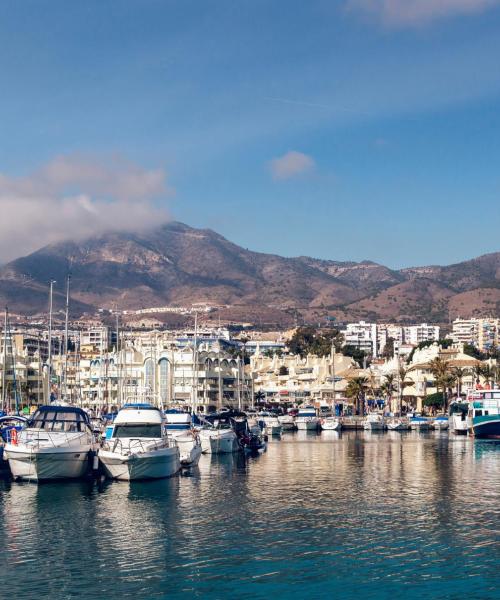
(139, 447)
(272, 426)
(457, 417)
(177, 420)
(441, 422)
(331, 424)
(420, 423)
(56, 443)
(374, 422)
(484, 413)
(398, 424)
(307, 419)
(189, 445)
(287, 422)
(217, 435)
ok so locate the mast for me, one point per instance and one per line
(194, 390)
(220, 381)
(13, 363)
(49, 357)
(118, 363)
(4, 368)
(333, 377)
(66, 321)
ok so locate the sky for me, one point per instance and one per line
(346, 130)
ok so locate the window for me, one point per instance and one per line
(138, 431)
(148, 373)
(163, 379)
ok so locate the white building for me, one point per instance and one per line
(416, 334)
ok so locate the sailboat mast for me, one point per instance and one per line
(49, 357)
(4, 369)
(194, 402)
(66, 323)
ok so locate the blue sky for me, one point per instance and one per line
(350, 130)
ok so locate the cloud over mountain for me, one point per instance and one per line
(75, 196)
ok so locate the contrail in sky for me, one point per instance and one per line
(315, 105)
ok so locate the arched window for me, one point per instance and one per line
(148, 374)
(163, 365)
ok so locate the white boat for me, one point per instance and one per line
(139, 447)
(331, 424)
(177, 420)
(441, 422)
(374, 422)
(287, 422)
(307, 419)
(457, 417)
(420, 423)
(217, 436)
(398, 425)
(272, 425)
(56, 444)
(218, 441)
(189, 445)
(484, 413)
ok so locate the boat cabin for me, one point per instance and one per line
(138, 421)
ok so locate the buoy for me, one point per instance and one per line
(95, 462)
(13, 436)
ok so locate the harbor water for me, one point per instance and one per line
(353, 515)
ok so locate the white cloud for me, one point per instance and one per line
(73, 197)
(291, 164)
(409, 13)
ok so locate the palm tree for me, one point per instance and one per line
(489, 373)
(478, 372)
(443, 377)
(356, 389)
(389, 387)
(403, 383)
(459, 373)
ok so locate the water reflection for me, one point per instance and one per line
(403, 514)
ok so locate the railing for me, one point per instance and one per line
(40, 437)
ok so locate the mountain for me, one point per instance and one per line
(176, 264)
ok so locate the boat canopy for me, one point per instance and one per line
(60, 418)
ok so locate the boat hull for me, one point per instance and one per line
(45, 464)
(398, 426)
(189, 449)
(486, 427)
(307, 424)
(215, 443)
(330, 425)
(157, 464)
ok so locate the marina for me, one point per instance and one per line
(300, 514)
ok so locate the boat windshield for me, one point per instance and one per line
(146, 430)
(52, 420)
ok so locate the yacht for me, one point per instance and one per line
(217, 435)
(457, 417)
(374, 422)
(7, 424)
(177, 420)
(330, 424)
(139, 447)
(441, 422)
(484, 413)
(56, 444)
(307, 419)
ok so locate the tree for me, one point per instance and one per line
(388, 348)
(389, 387)
(471, 350)
(358, 355)
(356, 389)
(283, 370)
(489, 373)
(434, 401)
(459, 373)
(403, 383)
(443, 377)
(308, 340)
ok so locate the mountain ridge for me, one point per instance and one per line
(175, 264)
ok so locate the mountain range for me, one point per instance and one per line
(175, 264)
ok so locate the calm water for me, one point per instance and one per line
(354, 516)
